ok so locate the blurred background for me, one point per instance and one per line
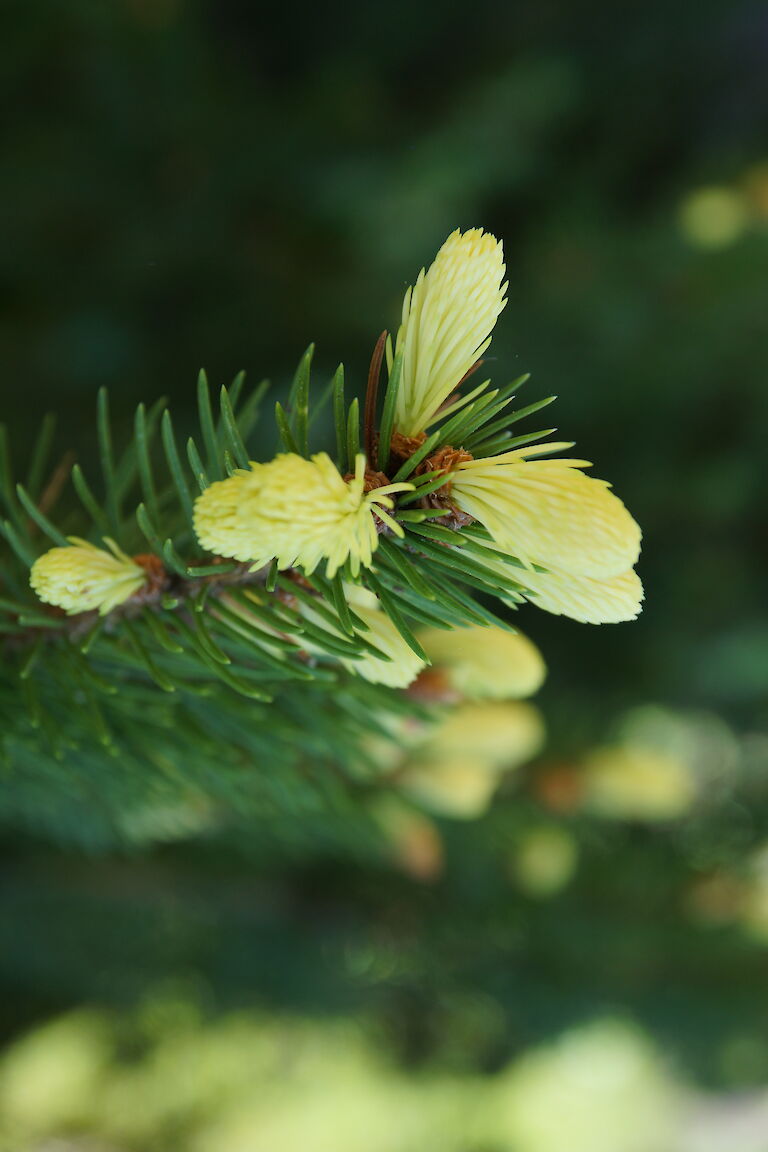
(581, 965)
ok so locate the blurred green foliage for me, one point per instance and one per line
(195, 183)
(166, 1077)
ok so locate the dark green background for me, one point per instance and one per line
(187, 184)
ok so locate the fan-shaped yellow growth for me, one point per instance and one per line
(448, 317)
(84, 578)
(403, 665)
(585, 599)
(486, 663)
(453, 787)
(548, 512)
(500, 734)
(461, 763)
(297, 511)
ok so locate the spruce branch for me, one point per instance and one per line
(208, 575)
(180, 607)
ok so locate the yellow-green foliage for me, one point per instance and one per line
(247, 1083)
